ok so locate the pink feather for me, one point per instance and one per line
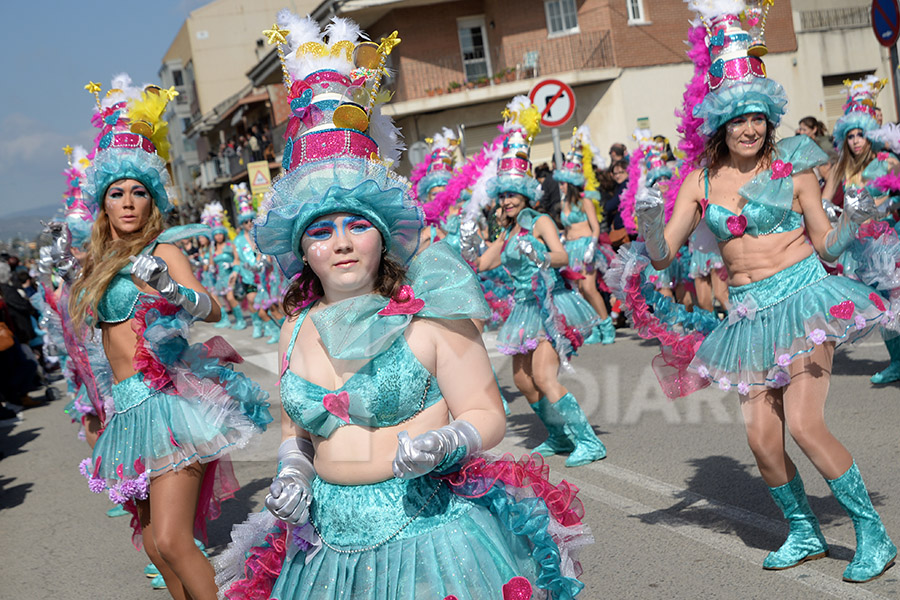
(418, 172)
(626, 201)
(463, 178)
(888, 183)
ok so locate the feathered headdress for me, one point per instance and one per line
(214, 217)
(81, 209)
(859, 110)
(514, 173)
(438, 164)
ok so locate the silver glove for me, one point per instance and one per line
(154, 271)
(471, 244)
(650, 209)
(860, 205)
(590, 252)
(418, 456)
(527, 249)
(290, 493)
(832, 211)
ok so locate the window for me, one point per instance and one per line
(473, 45)
(635, 10)
(177, 78)
(562, 16)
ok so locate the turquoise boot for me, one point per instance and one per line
(557, 441)
(257, 325)
(272, 331)
(223, 321)
(588, 446)
(117, 511)
(875, 551)
(892, 373)
(239, 322)
(805, 540)
(150, 571)
(607, 331)
(158, 583)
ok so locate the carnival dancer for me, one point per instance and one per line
(548, 322)
(222, 264)
(360, 515)
(248, 266)
(431, 176)
(862, 162)
(762, 202)
(178, 409)
(579, 188)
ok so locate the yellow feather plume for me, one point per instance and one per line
(587, 167)
(146, 115)
(530, 120)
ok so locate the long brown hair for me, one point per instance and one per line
(307, 287)
(716, 150)
(105, 258)
(850, 165)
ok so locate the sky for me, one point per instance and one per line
(50, 50)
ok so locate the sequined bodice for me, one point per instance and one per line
(386, 391)
(522, 269)
(225, 256)
(121, 297)
(575, 215)
(754, 219)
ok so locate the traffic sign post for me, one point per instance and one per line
(886, 24)
(556, 102)
(259, 176)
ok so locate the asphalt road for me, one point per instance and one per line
(677, 509)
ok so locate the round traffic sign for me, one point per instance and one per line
(555, 100)
(886, 21)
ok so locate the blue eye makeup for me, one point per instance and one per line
(357, 224)
(321, 230)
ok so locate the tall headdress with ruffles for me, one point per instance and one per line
(522, 122)
(578, 168)
(81, 208)
(439, 163)
(339, 148)
(736, 79)
(132, 140)
(213, 216)
(859, 109)
(243, 202)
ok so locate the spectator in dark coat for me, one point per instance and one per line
(549, 201)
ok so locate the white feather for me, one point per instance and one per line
(386, 135)
(710, 9)
(342, 30)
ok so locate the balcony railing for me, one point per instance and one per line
(419, 77)
(835, 18)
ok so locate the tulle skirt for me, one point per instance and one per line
(526, 325)
(704, 263)
(223, 273)
(576, 249)
(781, 318)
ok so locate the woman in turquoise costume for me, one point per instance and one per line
(548, 321)
(178, 410)
(249, 268)
(861, 163)
(578, 187)
(386, 386)
(763, 204)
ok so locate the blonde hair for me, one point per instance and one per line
(105, 259)
(850, 165)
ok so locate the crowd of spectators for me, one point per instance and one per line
(254, 145)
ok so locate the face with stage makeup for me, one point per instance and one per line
(746, 134)
(344, 251)
(512, 204)
(857, 141)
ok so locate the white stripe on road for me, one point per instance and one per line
(265, 360)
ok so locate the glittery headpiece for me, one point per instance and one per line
(737, 76)
(213, 216)
(514, 173)
(243, 202)
(81, 209)
(339, 147)
(859, 110)
(440, 162)
(654, 166)
(132, 141)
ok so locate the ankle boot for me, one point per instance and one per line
(892, 373)
(272, 331)
(805, 540)
(588, 446)
(257, 325)
(557, 441)
(607, 331)
(875, 551)
(223, 321)
(239, 322)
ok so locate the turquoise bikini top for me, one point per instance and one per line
(120, 300)
(769, 195)
(576, 215)
(522, 269)
(391, 388)
(226, 256)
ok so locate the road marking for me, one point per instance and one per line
(267, 361)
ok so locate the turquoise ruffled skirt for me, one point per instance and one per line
(223, 273)
(576, 249)
(781, 318)
(703, 263)
(526, 325)
(152, 432)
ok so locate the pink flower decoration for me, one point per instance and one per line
(781, 169)
(817, 337)
(844, 310)
(517, 588)
(338, 405)
(404, 302)
(736, 224)
(783, 360)
(859, 322)
(882, 156)
(702, 371)
(120, 471)
(877, 301)
(743, 388)
(781, 379)
(724, 384)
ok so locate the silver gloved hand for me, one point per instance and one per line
(832, 211)
(471, 244)
(860, 205)
(590, 252)
(154, 271)
(420, 455)
(527, 249)
(290, 492)
(650, 209)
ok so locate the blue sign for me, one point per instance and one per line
(886, 21)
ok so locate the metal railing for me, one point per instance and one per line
(425, 76)
(835, 18)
